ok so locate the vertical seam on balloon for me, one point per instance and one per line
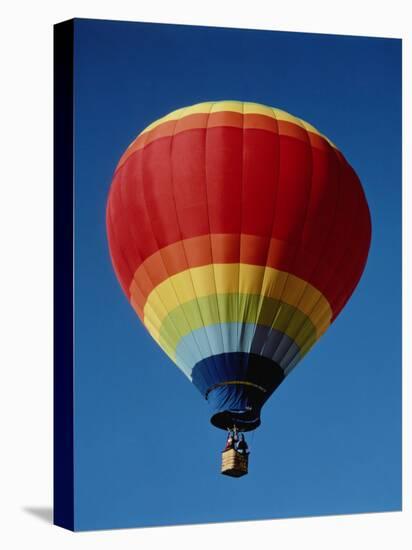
(136, 247)
(258, 313)
(208, 221)
(333, 221)
(180, 232)
(239, 330)
(298, 247)
(126, 209)
(335, 270)
(124, 256)
(287, 370)
(154, 236)
(343, 256)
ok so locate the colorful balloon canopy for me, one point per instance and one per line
(238, 232)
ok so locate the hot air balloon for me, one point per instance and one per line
(238, 232)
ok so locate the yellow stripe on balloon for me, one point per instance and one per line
(245, 108)
(211, 279)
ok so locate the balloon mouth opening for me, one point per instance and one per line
(244, 420)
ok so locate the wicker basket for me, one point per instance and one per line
(234, 464)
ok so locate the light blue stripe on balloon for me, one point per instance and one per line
(238, 337)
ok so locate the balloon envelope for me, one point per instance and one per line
(238, 232)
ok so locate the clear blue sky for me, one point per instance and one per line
(330, 440)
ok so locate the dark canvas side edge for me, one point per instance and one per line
(63, 459)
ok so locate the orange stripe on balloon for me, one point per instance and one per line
(225, 118)
(205, 250)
